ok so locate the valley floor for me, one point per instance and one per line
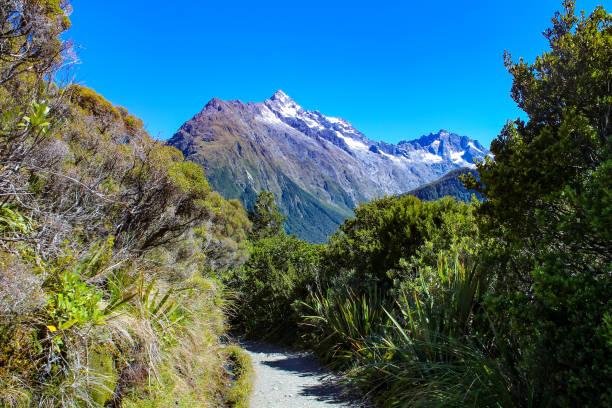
(289, 379)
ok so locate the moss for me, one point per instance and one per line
(242, 382)
(103, 368)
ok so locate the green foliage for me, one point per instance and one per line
(343, 325)
(101, 362)
(548, 201)
(38, 118)
(30, 46)
(132, 124)
(448, 185)
(162, 311)
(13, 222)
(279, 273)
(499, 303)
(190, 177)
(93, 103)
(242, 373)
(224, 243)
(442, 299)
(190, 371)
(266, 219)
(387, 230)
(421, 351)
(105, 236)
(73, 302)
(315, 220)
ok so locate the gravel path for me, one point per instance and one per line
(289, 379)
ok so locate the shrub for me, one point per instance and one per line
(385, 231)
(426, 350)
(280, 273)
(342, 326)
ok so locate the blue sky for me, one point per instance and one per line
(395, 70)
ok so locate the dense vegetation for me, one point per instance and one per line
(504, 302)
(119, 265)
(110, 244)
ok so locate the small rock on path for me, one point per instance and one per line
(289, 379)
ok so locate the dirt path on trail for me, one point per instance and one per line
(289, 379)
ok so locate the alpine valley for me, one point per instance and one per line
(318, 167)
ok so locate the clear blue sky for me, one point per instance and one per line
(395, 70)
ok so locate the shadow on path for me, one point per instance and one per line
(333, 391)
(298, 364)
(322, 385)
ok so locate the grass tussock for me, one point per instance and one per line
(191, 374)
(241, 367)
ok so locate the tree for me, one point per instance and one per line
(386, 231)
(267, 220)
(549, 205)
(280, 273)
(545, 169)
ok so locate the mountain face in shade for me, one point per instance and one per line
(448, 185)
(318, 167)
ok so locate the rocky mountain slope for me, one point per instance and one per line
(318, 167)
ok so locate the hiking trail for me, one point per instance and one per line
(294, 379)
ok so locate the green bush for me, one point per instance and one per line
(280, 273)
(368, 249)
(548, 209)
(341, 327)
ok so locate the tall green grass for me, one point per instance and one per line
(430, 347)
(344, 325)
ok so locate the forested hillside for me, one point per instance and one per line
(449, 185)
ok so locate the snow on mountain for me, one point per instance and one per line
(317, 166)
(443, 148)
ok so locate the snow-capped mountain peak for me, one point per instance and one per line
(435, 148)
(318, 166)
(283, 105)
(281, 97)
(314, 122)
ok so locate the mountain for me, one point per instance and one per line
(448, 185)
(318, 167)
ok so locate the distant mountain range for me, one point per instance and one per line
(318, 167)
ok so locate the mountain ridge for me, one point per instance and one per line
(448, 185)
(318, 167)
